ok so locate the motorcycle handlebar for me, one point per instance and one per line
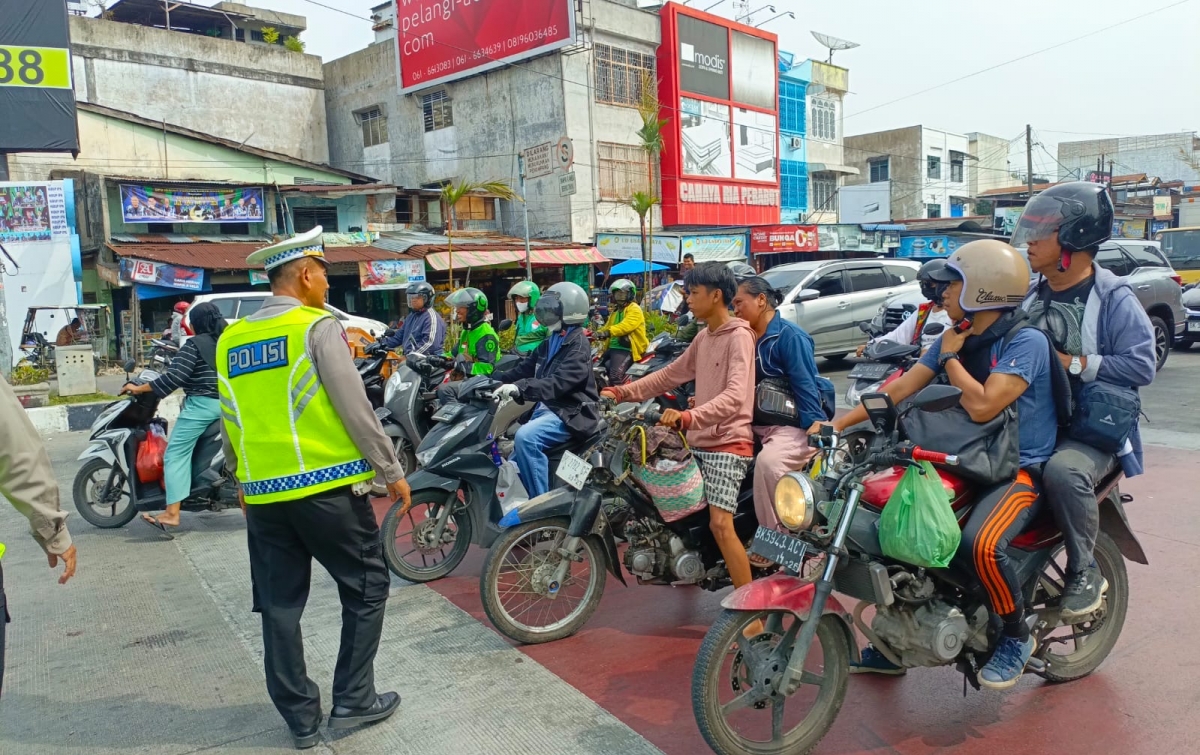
(653, 415)
(920, 454)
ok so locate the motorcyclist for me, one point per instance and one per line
(558, 377)
(625, 330)
(994, 361)
(478, 348)
(424, 330)
(177, 328)
(530, 332)
(912, 330)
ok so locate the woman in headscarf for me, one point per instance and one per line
(194, 370)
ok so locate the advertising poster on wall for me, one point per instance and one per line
(927, 246)
(718, 248)
(385, 275)
(161, 274)
(1006, 218)
(705, 128)
(703, 58)
(1129, 229)
(37, 101)
(443, 40)
(754, 143)
(774, 239)
(753, 57)
(154, 204)
(628, 246)
(31, 212)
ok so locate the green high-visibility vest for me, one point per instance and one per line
(482, 346)
(289, 440)
(1, 550)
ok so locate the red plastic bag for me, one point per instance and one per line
(150, 454)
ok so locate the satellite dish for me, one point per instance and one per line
(833, 43)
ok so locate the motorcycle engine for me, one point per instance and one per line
(934, 633)
(657, 555)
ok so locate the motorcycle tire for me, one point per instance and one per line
(1098, 645)
(80, 492)
(710, 667)
(405, 455)
(424, 501)
(524, 633)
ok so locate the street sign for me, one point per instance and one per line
(566, 184)
(564, 154)
(539, 160)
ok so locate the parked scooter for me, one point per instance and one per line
(408, 402)
(107, 490)
(885, 362)
(163, 353)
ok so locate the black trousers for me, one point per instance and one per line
(997, 518)
(618, 362)
(339, 530)
(4, 619)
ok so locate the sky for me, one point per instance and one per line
(1139, 77)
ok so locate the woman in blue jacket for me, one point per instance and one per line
(783, 350)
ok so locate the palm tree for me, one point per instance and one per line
(651, 140)
(643, 204)
(452, 193)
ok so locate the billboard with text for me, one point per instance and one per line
(443, 40)
(37, 102)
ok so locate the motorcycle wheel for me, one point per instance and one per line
(1089, 642)
(731, 689)
(408, 537)
(86, 491)
(515, 576)
(406, 456)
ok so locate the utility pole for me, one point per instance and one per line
(525, 211)
(1029, 158)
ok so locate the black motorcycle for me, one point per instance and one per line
(884, 362)
(544, 577)
(664, 349)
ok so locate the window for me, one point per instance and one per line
(475, 208)
(793, 185)
(791, 107)
(879, 169)
(374, 127)
(308, 218)
(933, 166)
(227, 307)
(1111, 259)
(256, 35)
(830, 284)
(824, 192)
(901, 274)
(248, 307)
(933, 210)
(824, 120)
(868, 278)
(619, 75)
(242, 229)
(1144, 256)
(435, 108)
(956, 166)
(624, 169)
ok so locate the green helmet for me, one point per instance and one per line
(473, 299)
(626, 289)
(526, 288)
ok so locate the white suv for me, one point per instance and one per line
(235, 306)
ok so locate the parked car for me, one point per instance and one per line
(828, 298)
(1191, 304)
(1151, 276)
(235, 306)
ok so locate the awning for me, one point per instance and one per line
(232, 256)
(832, 168)
(494, 257)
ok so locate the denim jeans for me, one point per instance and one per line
(533, 438)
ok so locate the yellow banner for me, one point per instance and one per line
(43, 67)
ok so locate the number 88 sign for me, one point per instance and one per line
(45, 67)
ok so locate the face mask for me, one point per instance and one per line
(555, 327)
(522, 306)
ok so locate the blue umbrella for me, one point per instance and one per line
(631, 267)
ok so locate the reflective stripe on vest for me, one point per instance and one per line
(1, 550)
(289, 440)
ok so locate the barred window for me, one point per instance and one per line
(824, 120)
(374, 127)
(824, 192)
(437, 110)
(624, 169)
(619, 74)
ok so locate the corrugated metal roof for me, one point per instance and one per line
(178, 238)
(232, 256)
(338, 189)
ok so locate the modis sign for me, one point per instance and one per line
(783, 238)
(703, 58)
(444, 40)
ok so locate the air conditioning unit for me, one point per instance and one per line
(797, 142)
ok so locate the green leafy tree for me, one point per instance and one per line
(270, 35)
(650, 138)
(643, 204)
(294, 44)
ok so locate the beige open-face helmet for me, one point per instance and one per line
(994, 275)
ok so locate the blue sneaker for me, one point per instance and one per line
(875, 662)
(1008, 663)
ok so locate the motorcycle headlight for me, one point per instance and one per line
(794, 502)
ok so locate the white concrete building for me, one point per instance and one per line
(828, 166)
(927, 172)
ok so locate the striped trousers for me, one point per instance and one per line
(997, 518)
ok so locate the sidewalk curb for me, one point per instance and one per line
(69, 418)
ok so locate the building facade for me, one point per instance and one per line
(989, 167)
(926, 173)
(828, 167)
(1172, 156)
(793, 160)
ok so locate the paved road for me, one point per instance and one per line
(152, 649)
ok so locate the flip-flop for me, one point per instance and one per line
(162, 528)
(758, 562)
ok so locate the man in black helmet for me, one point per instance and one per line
(1105, 341)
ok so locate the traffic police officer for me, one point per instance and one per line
(304, 443)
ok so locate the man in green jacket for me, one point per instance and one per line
(530, 332)
(477, 345)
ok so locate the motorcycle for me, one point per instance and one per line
(544, 577)
(923, 617)
(408, 402)
(163, 352)
(107, 491)
(885, 362)
(455, 499)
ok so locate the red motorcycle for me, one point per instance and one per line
(780, 690)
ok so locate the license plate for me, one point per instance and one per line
(869, 370)
(638, 370)
(1194, 325)
(382, 413)
(448, 413)
(784, 550)
(573, 470)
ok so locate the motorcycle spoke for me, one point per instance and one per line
(813, 678)
(742, 701)
(777, 720)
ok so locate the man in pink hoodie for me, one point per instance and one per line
(721, 361)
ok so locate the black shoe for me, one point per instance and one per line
(306, 739)
(1083, 594)
(345, 718)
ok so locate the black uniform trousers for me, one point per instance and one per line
(339, 530)
(3, 620)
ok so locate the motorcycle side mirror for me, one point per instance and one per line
(807, 294)
(937, 398)
(933, 328)
(505, 324)
(864, 326)
(686, 318)
(129, 366)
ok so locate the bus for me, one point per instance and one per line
(1182, 249)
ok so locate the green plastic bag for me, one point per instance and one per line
(918, 526)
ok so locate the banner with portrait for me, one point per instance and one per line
(157, 204)
(33, 212)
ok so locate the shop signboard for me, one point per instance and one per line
(1129, 229)
(1005, 219)
(31, 212)
(773, 239)
(628, 246)
(384, 275)
(927, 246)
(716, 248)
(155, 204)
(1162, 207)
(162, 274)
(259, 278)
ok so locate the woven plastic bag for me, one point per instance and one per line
(918, 526)
(675, 487)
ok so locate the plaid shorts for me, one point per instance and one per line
(723, 474)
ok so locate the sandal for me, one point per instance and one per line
(162, 528)
(758, 562)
